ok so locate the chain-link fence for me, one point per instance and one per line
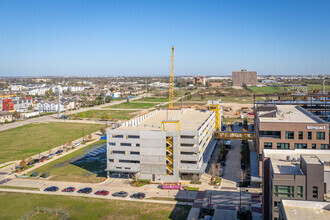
(44, 210)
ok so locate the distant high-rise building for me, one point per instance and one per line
(242, 77)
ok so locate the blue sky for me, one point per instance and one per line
(67, 37)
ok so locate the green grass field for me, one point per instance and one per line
(114, 114)
(265, 89)
(62, 169)
(15, 205)
(133, 105)
(152, 99)
(28, 140)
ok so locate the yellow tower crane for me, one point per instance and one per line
(171, 84)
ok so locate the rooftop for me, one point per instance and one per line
(190, 120)
(282, 166)
(291, 114)
(306, 210)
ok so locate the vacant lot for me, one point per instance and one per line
(114, 114)
(152, 99)
(74, 168)
(133, 105)
(266, 89)
(15, 205)
(28, 140)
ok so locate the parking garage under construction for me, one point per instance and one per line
(163, 145)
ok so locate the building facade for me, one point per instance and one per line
(294, 175)
(244, 77)
(162, 152)
(288, 127)
(5, 117)
(7, 105)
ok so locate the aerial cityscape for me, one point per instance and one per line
(165, 110)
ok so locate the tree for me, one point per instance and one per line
(70, 143)
(102, 130)
(76, 116)
(22, 163)
(90, 136)
(83, 115)
(92, 115)
(108, 116)
(103, 117)
(245, 124)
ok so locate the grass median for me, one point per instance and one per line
(28, 140)
(67, 169)
(15, 205)
(114, 114)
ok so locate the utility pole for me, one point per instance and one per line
(59, 102)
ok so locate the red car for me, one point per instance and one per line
(250, 113)
(69, 189)
(102, 193)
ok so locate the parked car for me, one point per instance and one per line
(43, 158)
(69, 189)
(51, 189)
(223, 163)
(86, 190)
(102, 193)
(250, 113)
(120, 194)
(36, 160)
(138, 195)
(51, 155)
(59, 151)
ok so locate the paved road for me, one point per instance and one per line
(232, 169)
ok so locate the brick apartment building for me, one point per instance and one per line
(288, 127)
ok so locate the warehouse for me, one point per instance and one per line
(163, 145)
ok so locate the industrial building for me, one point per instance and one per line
(294, 175)
(288, 127)
(244, 77)
(163, 145)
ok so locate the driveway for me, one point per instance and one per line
(233, 162)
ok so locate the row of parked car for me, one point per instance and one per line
(88, 190)
(42, 159)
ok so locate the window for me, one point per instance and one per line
(187, 136)
(133, 136)
(289, 135)
(129, 161)
(300, 146)
(118, 168)
(300, 192)
(268, 145)
(270, 134)
(309, 135)
(313, 146)
(283, 146)
(276, 205)
(112, 143)
(320, 135)
(188, 153)
(138, 145)
(127, 168)
(135, 152)
(117, 136)
(284, 191)
(187, 145)
(126, 144)
(260, 157)
(188, 162)
(118, 152)
(315, 192)
(111, 161)
(301, 135)
(324, 147)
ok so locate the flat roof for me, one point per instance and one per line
(281, 166)
(190, 120)
(306, 210)
(291, 114)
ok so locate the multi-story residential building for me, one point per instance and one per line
(159, 151)
(45, 106)
(22, 104)
(288, 127)
(294, 175)
(7, 105)
(304, 210)
(244, 77)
